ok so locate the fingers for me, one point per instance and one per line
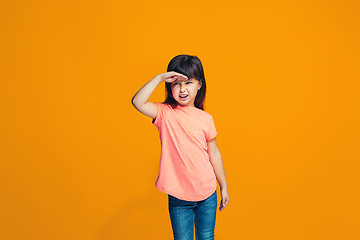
(176, 75)
(221, 208)
(224, 203)
(172, 76)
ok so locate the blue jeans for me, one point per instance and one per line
(184, 214)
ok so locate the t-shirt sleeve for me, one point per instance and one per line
(212, 130)
(161, 109)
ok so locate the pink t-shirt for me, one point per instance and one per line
(185, 170)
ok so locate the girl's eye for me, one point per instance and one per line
(177, 83)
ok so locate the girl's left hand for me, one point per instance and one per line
(224, 199)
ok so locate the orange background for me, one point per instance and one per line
(78, 161)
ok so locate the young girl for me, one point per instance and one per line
(190, 160)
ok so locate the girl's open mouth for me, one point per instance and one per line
(183, 98)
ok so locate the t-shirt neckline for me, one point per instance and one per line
(185, 106)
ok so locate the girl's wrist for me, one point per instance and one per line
(222, 188)
(158, 78)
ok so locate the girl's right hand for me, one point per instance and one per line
(172, 76)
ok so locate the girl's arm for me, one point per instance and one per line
(218, 166)
(141, 97)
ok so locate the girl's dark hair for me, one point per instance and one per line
(191, 67)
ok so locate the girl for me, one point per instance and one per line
(190, 161)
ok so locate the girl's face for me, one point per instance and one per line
(188, 88)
